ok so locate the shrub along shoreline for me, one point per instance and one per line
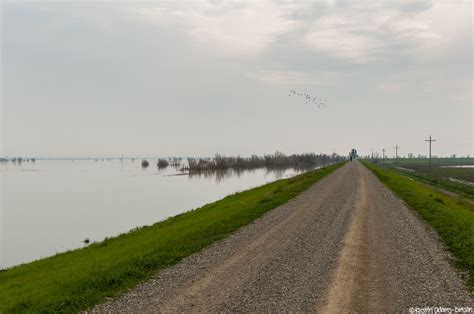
(79, 279)
(451, 217)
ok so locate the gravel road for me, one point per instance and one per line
(345, 244)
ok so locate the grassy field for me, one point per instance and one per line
(445, 161)
(441, 167)
(442, 177)
(78, 279)
(451, 217)
(465, 174)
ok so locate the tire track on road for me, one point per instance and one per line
(345, 244)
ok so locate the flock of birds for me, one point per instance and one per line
(308, 98)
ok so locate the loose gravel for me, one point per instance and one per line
(347, 243)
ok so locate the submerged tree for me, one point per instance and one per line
(270, 161)
(162, 163)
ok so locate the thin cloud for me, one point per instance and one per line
(295, 78)
(234, 27)
(388, 87)
(373, 31)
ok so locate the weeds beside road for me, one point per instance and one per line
(451, 217)
(78, 279)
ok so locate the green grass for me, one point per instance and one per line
(451, 217)
(441, 167)
(440, 175)
(465, 174)
(77, 280)
(442, 161)
(462, 189)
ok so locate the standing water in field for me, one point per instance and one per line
(51, 206)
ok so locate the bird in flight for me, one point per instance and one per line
(307, 98)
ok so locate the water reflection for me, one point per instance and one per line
(215, 175)
(221, 175)
(53, 205)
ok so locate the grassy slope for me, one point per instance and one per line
(466, 174)
(435, 161)
(452, 218)
(459, 188)
(440, 175)
(81, 278)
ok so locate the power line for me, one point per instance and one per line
(430, 140)
(396, 154)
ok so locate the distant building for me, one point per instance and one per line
(353, 154)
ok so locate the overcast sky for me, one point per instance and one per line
(167, 78)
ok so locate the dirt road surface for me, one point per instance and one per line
(345, 244)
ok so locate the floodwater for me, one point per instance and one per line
(51, 206)
(458, 166)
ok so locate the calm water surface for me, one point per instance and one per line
(53, 205)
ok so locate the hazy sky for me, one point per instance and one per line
(166, 78)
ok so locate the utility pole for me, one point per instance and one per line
(372, 153)
(430, 140)
(396, 154)
(383, 155)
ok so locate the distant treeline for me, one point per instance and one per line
(277, 160)
(17, 159)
